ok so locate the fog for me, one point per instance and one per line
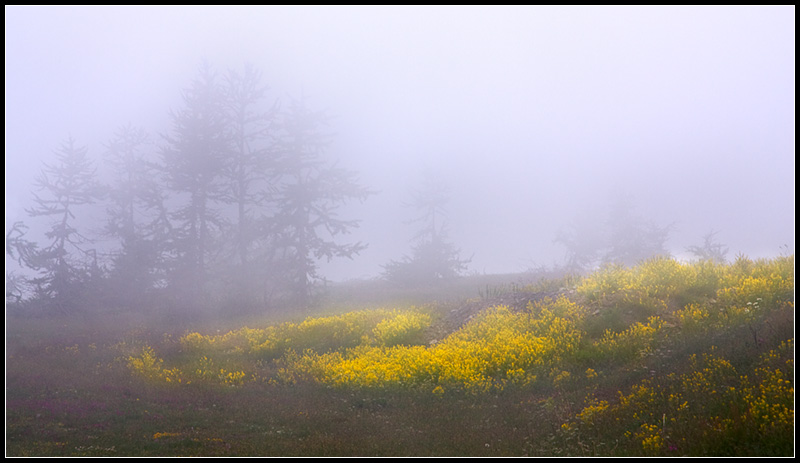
(533, 117)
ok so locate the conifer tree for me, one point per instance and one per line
(307, 225)
(433, 256)
(136, 216)
(67, 262)
(193, 160)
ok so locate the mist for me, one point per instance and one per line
(534, 118)
(413, 231)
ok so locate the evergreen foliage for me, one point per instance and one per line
(234, 206)
(433, 257)
(67, 263)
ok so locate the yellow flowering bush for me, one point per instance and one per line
(711, 406)
(766, 290)
(401, 328)
(696, 318)
(653, 327)
(602, 285)
(592, 409)
(174, 375)
(650, 436)
(196, 342)
(662, 278)
(147, 364)
(496, 348)
(770, 281)
(770, 397)
(317, 333)
(634, 342)
(323, 338)
(655, 286)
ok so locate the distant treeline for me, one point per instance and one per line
(232, 205)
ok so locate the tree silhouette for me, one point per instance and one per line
(584, 245)
(251, 163)
(193, 161)
(237, 203)
(632, 238)
(19, 248)
(136, 217)
(25, 253)
(624, 237)
(710, 250)
(249, 183)
(311, 190)
(433, 256)
(66, 263)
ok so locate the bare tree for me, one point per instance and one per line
(710, 250)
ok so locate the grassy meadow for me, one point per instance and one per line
(662, 359)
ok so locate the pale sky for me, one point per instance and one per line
(532, 116)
